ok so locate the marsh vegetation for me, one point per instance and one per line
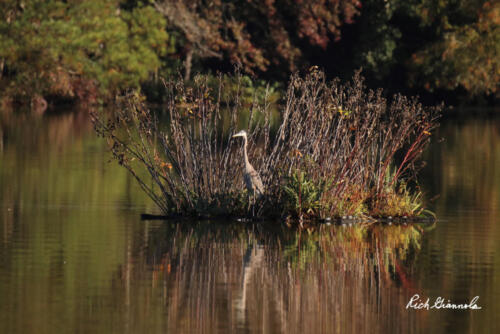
(334, 149)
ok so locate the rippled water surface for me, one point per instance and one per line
(75, 257)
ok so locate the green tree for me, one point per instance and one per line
(424, 44)
(467, 53)
(77, 49)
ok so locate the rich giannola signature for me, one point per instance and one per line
(418, 303)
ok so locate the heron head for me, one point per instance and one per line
(242, 133)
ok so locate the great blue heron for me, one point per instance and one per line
(252, 178)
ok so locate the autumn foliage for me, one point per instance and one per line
(93, 50)
(257, 34)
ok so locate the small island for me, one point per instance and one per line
(325, 151)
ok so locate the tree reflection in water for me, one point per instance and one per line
(269, 278)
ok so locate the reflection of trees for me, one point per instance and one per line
(462, 256)
(25, 140)
(55, 160)
(468, 186)
(468, 161)
(335, 279)
(41, 133)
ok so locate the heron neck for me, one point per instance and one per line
(245, 154)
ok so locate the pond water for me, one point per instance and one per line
(75, 257)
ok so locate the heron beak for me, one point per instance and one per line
(240, 134)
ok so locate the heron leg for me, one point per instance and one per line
(249, 203)
(253, 205)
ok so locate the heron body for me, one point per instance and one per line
(252, 179)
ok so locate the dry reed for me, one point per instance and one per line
(337, 149)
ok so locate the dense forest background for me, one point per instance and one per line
(92, 50)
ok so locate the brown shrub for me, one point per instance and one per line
(353, 144)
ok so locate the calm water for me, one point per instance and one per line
(75, 258)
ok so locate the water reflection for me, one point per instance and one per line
(212, 276)
(74, 256)
(464, 165)
(461, 258)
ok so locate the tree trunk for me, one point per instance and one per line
(2, 64)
